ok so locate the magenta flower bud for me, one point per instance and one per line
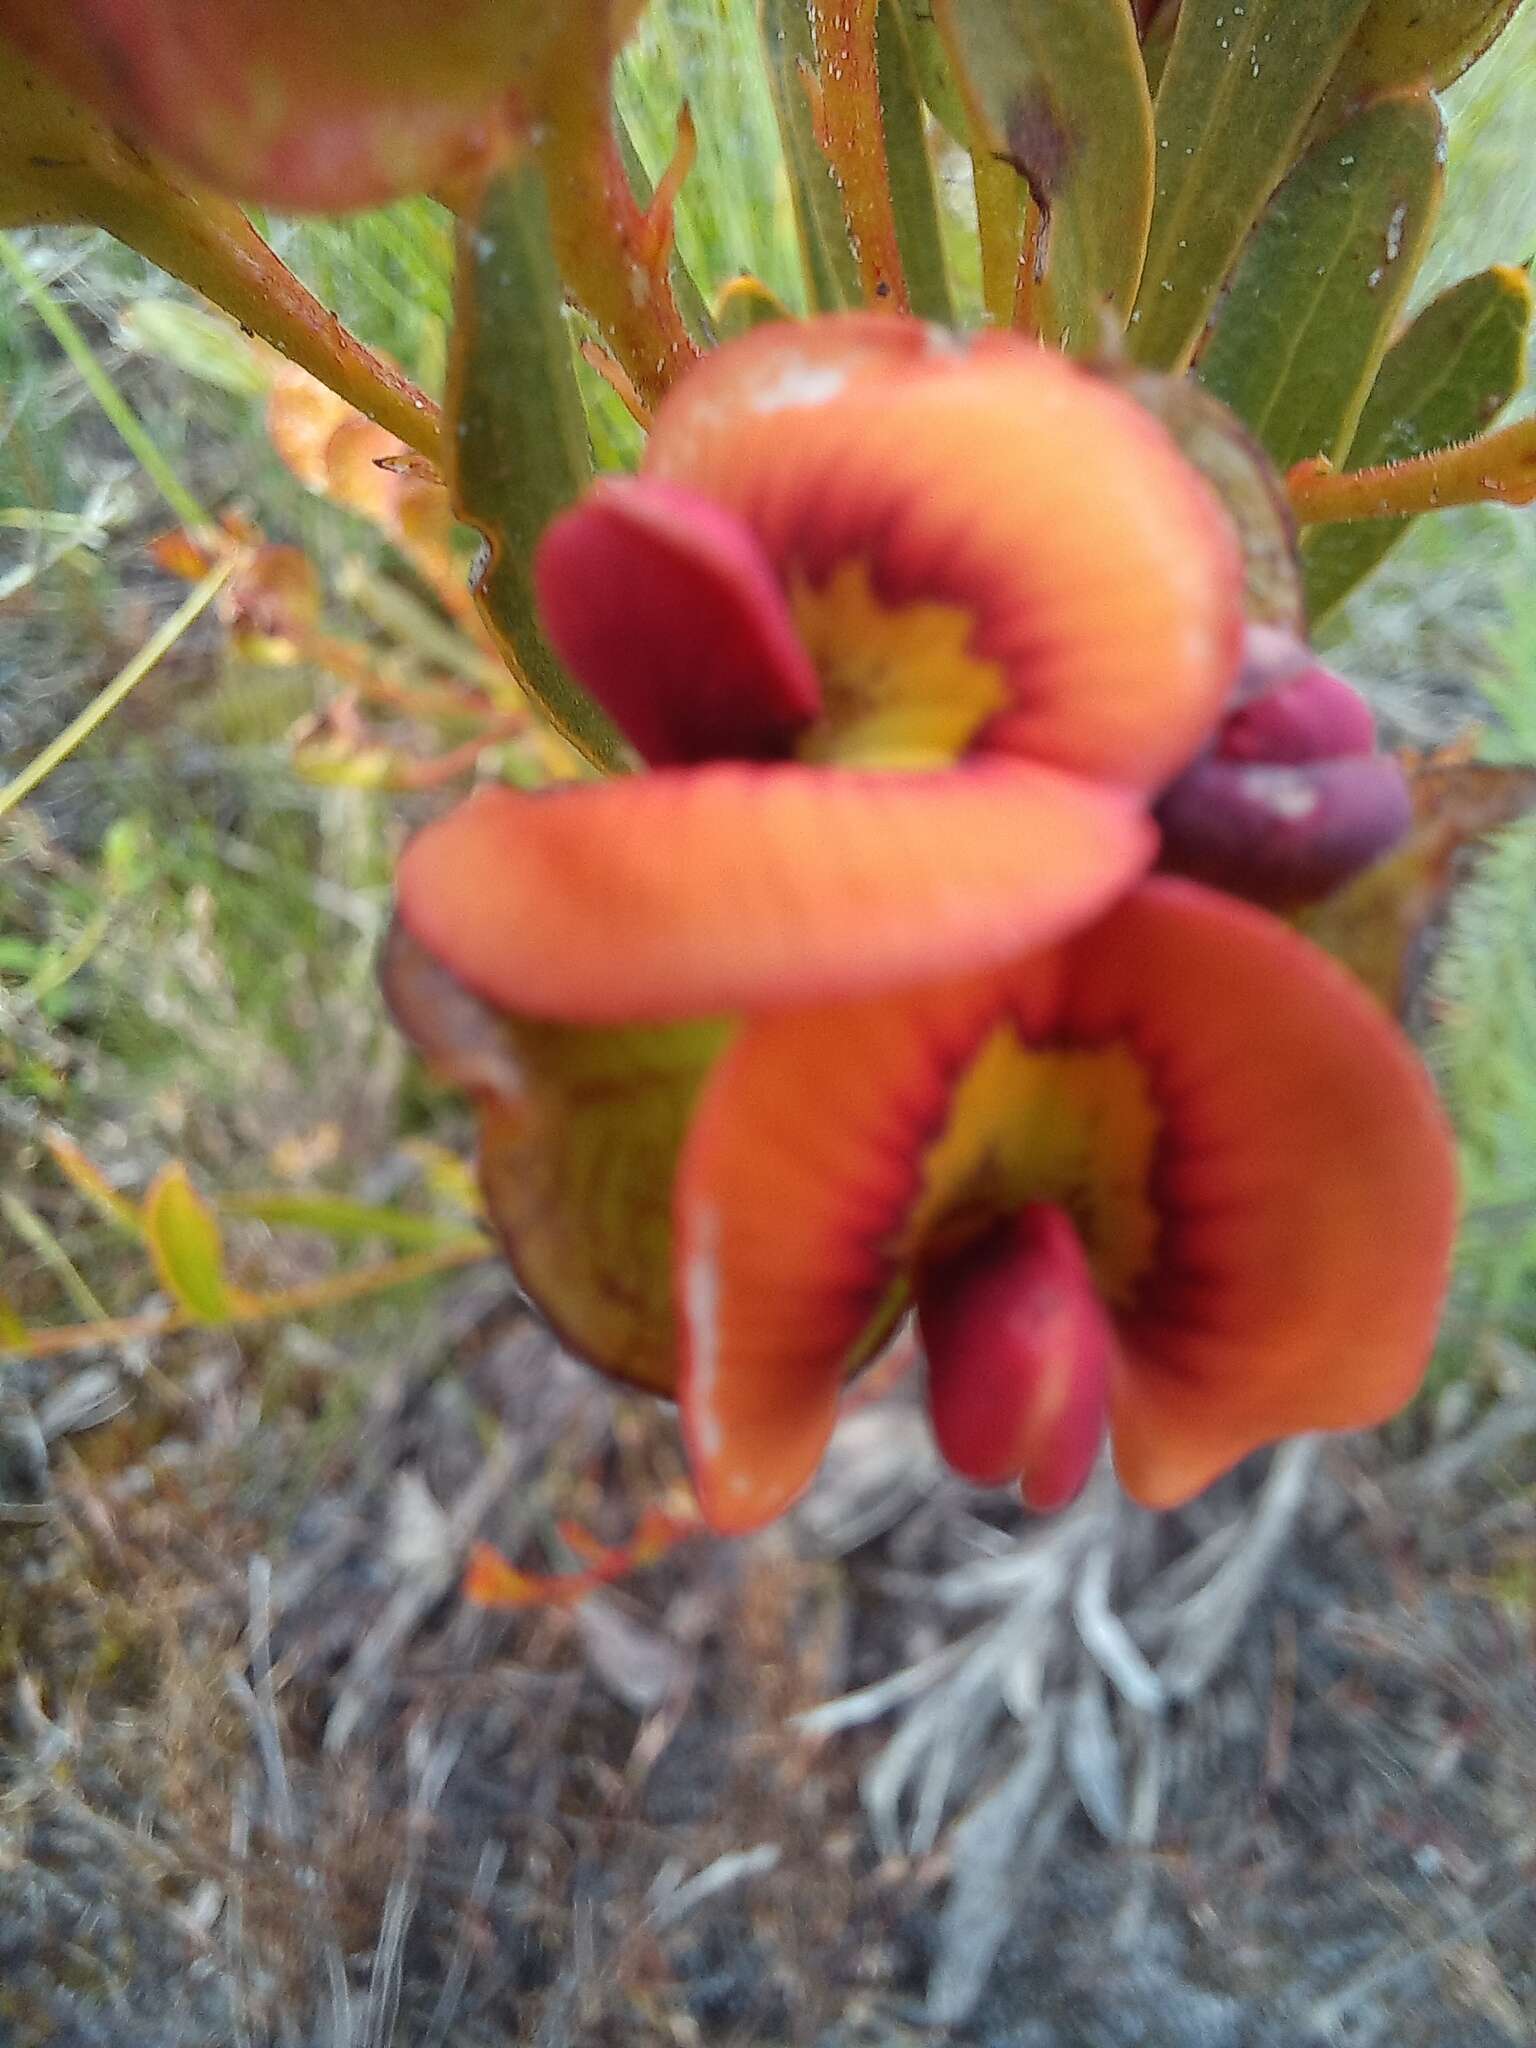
(1292, 797)
(1283, 834)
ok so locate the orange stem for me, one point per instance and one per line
(209, 244)
(851, 129)
(613, 253)
(1499, 469)
(335, 1292)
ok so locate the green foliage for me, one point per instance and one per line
(1306, 321)
(1039, 80)
(1445, 379)
(1235, 99)
(521, 453)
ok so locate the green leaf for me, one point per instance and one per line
(913, 195)
(1449, 377)
(1237, 93)
(1407, 45)
(1058, 89)
(346, 1222)
(517, 436)
(831, 272)
(1301, 334)
(185, 1244)
(935, 74)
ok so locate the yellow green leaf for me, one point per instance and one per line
(1058, 89)
(344, 1221)
(745, 303)
(1238, 90)
(12, 1329)
(1404, 44)
(1303, 328)
(186, 1246)
(1448, 378)
(935, 74)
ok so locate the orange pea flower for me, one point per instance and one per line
(305, 103)
(911, 630)
(859, 998)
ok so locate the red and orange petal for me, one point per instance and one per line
(1270, 1220)
(736, 887)
(1089, 565)
(666, 609)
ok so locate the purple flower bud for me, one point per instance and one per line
(1291, 798)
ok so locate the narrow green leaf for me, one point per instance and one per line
(12, 1329)
(935, 74)
(1405, 45)
(185, 1244)
(1301, 334)
(344, 1221)
(831, 272)
(1237, 93)
(913, 195)
(1448, 378)
(1058, 89)
(517, 436)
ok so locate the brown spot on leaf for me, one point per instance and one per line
(1040, 148)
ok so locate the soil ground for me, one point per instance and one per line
(271, 1804)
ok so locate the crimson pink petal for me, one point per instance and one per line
(1019, 1351)
(666, 609)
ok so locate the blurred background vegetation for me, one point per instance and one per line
(187, 929)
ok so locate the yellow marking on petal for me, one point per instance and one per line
(901, 686)
(1077, 1129)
